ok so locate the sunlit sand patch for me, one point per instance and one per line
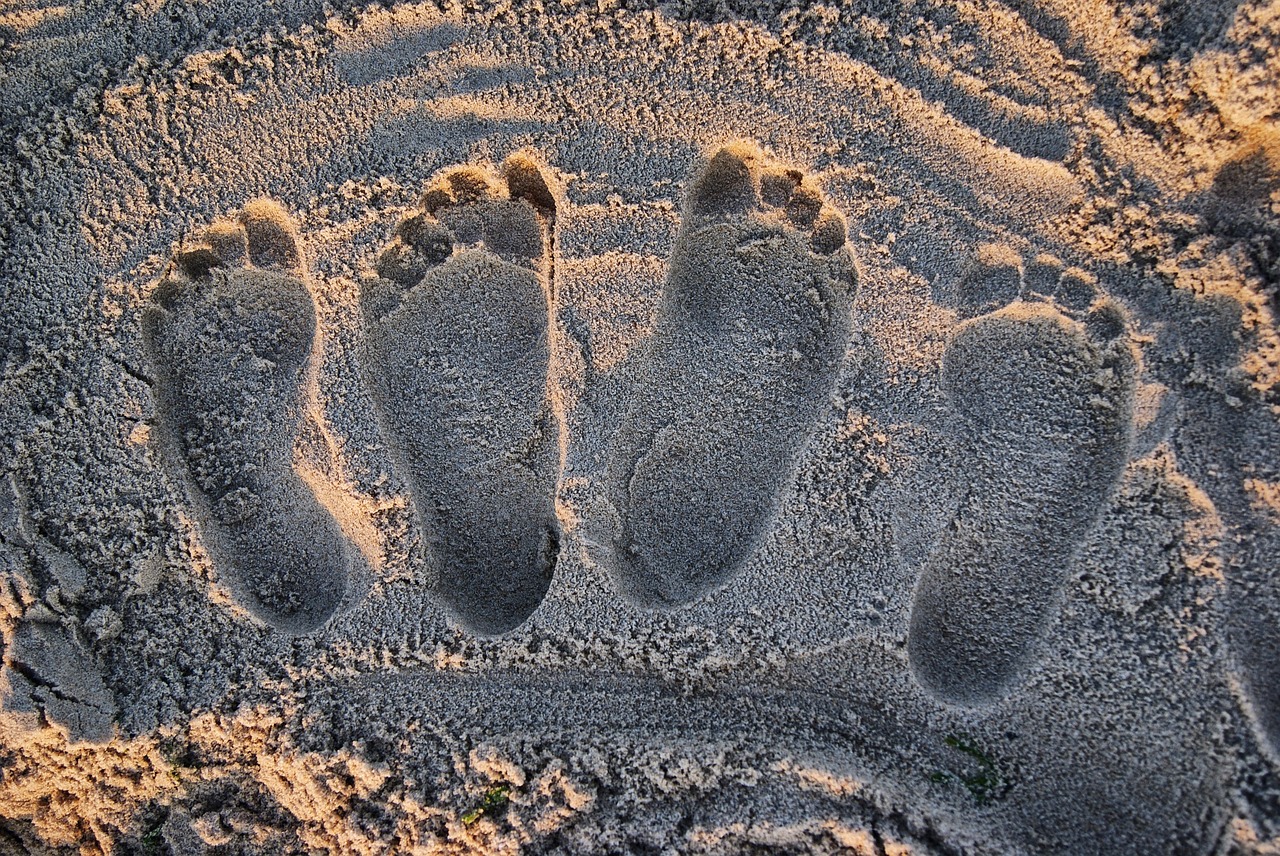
(26, 19)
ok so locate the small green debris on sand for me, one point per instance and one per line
(987, 784)
(153, 838)
(495, 798)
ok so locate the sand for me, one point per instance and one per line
(617, 428)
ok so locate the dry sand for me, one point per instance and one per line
(686, 427)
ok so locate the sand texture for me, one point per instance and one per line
(609, 427)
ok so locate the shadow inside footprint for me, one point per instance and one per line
(1045, 405)
(231, 332)
(750, 331)
(457, 335)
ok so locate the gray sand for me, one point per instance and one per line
(708, 428)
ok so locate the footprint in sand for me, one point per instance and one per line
(457, 327)
(749, 335)
(1044, 390)
(231, 333)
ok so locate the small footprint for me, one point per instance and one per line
(231, 333)
(1044, 389)
(457, 327)
(748, 339)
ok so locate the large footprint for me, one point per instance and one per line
(749, 335)
(231, 332)
(1046, 406)
(457, 328)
